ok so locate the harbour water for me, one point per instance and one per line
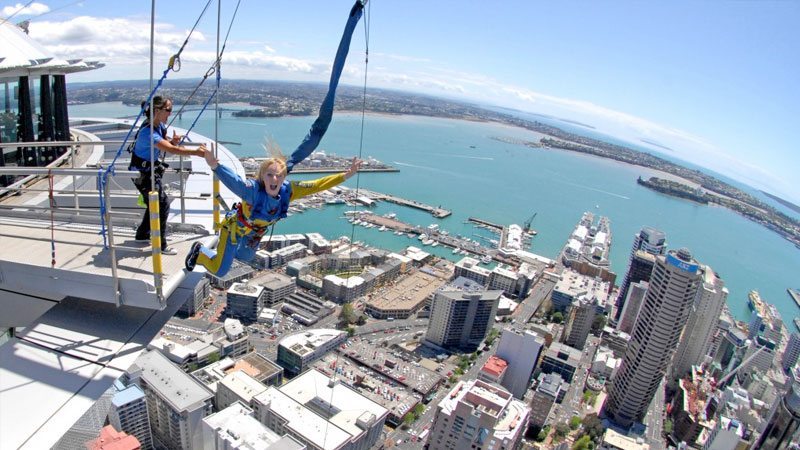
(458, 165)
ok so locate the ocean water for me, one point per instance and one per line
(458, 165)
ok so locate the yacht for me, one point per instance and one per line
(486, 259)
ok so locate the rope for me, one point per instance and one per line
(52, 219)
(363, 116)
(102, 176)
(16, 12)
(215, 68)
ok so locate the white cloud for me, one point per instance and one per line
(108, 40)
(34, 9)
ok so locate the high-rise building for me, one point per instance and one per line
(702, 324)
(297, 351)
(521, 349)
(784, 423)
(764, 332)
(478, 415)
(176, 402)
(244, 302)
(235, 428)
(673, 286)
(633, 303)
(648, 241)
(462, 319)
(321, 413)
(128, 413)
(792, 352)
(579, 322)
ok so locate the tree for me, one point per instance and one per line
(583, 443)
(593, 426)
(351, 330)
(558, 317)
(574, 423)
(408, 419)
(598, 323)
(562, 430)
(361, 320)
(347, 315)
(419, 409)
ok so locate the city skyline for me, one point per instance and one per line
(710, 82)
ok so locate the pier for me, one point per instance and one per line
(492, 226)
(795, 296)
(435, 211)
(466, 246)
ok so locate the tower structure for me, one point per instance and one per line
(462, 319)
(651, 241)
(696, 340)
(784, 423)
(673, 286)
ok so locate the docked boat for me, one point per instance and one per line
(797, 323)
(486, 259)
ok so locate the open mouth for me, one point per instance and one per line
(273, 187)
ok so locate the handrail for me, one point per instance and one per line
(72, 143)
(66, 171)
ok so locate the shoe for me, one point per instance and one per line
(168, 251)
(142, 238)
(191, 258)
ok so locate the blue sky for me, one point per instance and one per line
(717, 82)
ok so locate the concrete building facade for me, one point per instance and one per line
(478, 415)
(462, 319)
(673, 286)
(521, 349)
(176, 402)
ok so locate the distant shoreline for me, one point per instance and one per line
(302, 99)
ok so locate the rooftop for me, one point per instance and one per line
(305, 401)
(495, 366)
(309, 340)
(174, 385)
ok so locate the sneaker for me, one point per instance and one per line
(169, 251)
(191, 258)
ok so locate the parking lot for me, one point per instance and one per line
(392, 364)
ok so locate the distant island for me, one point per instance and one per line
(783, 202)
(278, 99)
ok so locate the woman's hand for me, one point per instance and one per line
(354, 166)
(209, 157)
(175, 139)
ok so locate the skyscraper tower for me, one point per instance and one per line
(696, 340)
(784, 423)
(648, 240)
(673, 286)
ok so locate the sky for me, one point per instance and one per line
(714, 81)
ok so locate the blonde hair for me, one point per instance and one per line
(274, 157)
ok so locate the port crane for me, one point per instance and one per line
(527, 224)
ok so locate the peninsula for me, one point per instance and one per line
(277, 99)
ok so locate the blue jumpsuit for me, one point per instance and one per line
(243, 228)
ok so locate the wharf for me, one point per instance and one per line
(795, 294)
(436, 211)
(493, 226)
(466, 246)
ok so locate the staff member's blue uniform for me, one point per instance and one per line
(140, 160)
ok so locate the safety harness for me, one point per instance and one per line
(239, 222)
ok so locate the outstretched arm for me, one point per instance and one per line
(320, 126)
(301, 189)
(245, 189)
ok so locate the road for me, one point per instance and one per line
(571, 405)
